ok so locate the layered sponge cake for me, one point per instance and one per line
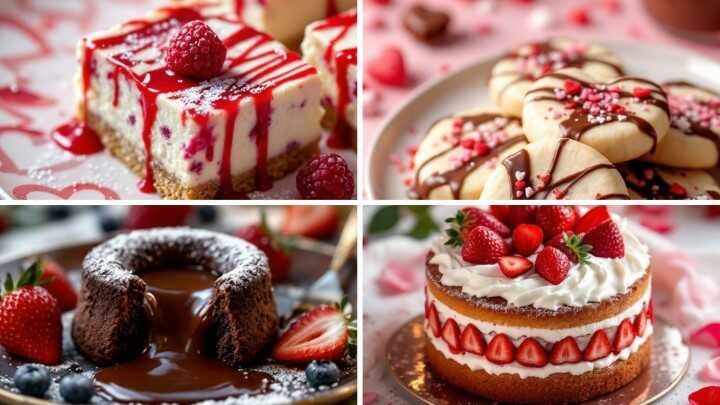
(190, 138)
(538, 304)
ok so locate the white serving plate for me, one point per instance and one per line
(467, 88)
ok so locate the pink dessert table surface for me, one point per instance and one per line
(685, 289)
(483, 28)
(37, 68)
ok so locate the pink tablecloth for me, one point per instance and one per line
(688, 255)
(482, 28)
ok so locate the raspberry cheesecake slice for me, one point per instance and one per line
(538, 304)
(331, 46)
(193, 130)
(285, 20)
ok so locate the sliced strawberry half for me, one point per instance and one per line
(472, 340)
(624, 336)
(606, 240)
(651, 312)
(527, 238)
(641, 322)
(566, 351)
(434, 320)
(500, 350)
(598, 347)
(451, 335)
(514, 266)
(591, 219)
(531, 354)
(319, 334)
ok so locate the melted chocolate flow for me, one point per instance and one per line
(578, 123)
(173, 368)
(520, 162)
(455, 178)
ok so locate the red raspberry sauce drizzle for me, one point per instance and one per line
(341, 62)
(257, 83)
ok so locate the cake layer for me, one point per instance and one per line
(266, 102)
(331, 46)
(554, 388)
(547, 329)
(599, 279)
(285, 20)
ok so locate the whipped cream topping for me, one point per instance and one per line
(475, 362)
(597, 280)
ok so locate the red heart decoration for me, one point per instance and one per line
(36, 137)
(705, 396)
(21, 192)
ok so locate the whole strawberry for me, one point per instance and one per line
(520, 214)
(466, 219)
(30, 324)
(553, 265)
(484, 246)
(555, 219)
(54, 280)
(196, 52)
(606, 240)
(271, 244)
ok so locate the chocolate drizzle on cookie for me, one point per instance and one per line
(693, 116)
(586, 115)
(646, 180)
(548, 57)
(521, 177)
(455, 177)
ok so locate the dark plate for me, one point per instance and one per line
(309, 262)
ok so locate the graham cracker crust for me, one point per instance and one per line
(556, 388)
(169, 187)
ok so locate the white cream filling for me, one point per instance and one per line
(475, 362)
(599, 279)
(518, 333)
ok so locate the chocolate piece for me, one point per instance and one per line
(112, 322)
(426, 24)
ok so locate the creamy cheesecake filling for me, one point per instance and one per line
(599, 279)
(546, 337)
(475, 362)
(266, 103)
(323, 47)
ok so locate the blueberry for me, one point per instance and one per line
(32, 380)
(58, 212)
(207, 214)
(322, 373)
(108, 223)
(76, 389)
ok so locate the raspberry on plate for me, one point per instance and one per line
(326, 177)
(196, 51)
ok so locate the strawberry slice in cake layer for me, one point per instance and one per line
(284, 20)
(547, 304)
(331, 46)
(199, 122)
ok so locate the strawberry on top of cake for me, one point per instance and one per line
(555, 298)
(552, 258)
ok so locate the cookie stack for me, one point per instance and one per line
(570, 123)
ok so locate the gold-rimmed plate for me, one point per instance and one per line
(406, 360)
